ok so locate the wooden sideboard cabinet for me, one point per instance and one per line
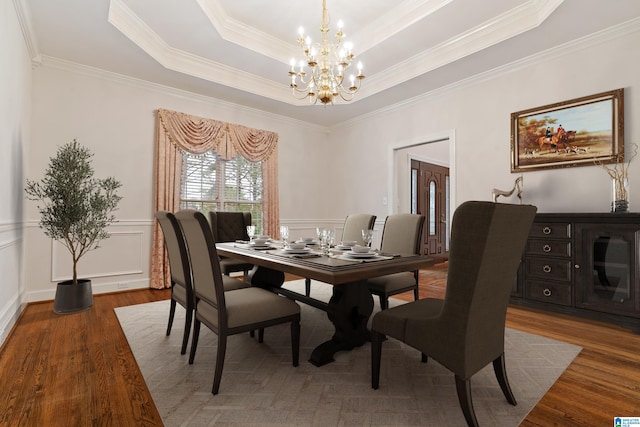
(583, 264)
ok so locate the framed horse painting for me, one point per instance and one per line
(580, 132)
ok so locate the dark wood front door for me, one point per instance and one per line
(430, 188)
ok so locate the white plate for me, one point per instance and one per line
(361, 255)
(343, 247)
(313, 242)
(296, 251)
(255, 246)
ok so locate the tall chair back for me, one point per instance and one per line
(205, 265)
(235, 311)
(402, 233)
(229, 227)
(465, 331)
(354, 224)
(181, 287)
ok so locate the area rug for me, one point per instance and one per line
(260, 387)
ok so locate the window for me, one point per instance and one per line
(212, 184)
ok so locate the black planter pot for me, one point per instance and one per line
(72, 298)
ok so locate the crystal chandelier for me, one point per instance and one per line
(327, 62)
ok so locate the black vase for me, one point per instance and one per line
(72, 298)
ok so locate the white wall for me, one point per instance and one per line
(478, 113)
(15, 105)
(323, 176)
(114, 117)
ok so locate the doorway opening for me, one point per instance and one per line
(422, 180)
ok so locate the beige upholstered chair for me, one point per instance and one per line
(229, 227)
(465, 331)
(181, 288)
(232, 312)
(401, 235)
(353, 226)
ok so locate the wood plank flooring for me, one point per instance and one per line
(78, 370)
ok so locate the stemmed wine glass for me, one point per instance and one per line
(367, 236)
(284, 234)
(326, 240)
(251, 231)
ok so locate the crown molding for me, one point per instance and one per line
(503, 27)
(98, 73)
(130, 25)
(509, 24)
(23, 13)
(584, 43)
(244, 35)
(404, 15)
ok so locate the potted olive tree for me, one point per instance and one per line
(76, 210)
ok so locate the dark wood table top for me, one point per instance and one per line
(332, 270)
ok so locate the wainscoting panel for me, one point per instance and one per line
(119, 255)
(11, 288)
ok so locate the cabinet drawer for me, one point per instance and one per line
(554, 230)
(548, 268)
(549, 292)
(549, 247)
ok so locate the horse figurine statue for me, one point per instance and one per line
(495, 193)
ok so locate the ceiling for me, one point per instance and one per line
(239, 51)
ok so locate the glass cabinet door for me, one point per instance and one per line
(606, 274)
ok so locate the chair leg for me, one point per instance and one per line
(187, 330)
(376, 356)
(464, 397)
(416, 290)
(217, 376)
(307, 286)
(499, 368)
(384, 302)
(295, 341)
(261, 335)
(194, 341)
(172, 312)
(424, 358)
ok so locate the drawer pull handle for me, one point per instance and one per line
(546, 230)
(546, 292)
(546, 268)
(546, 248)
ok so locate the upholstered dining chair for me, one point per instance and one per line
(353, 226)
(232, 312)
(229, 227)
(401, 235)
(465, 331)
(180, 273)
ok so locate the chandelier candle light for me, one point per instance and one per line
(327, 62)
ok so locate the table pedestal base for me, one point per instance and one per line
(349, 310)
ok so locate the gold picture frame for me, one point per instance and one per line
(579, 132)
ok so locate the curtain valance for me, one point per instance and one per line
(198, 135)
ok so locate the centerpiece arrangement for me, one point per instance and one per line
(619, 174)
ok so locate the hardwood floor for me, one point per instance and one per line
(78, 370)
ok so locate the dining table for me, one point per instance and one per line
(351, 303)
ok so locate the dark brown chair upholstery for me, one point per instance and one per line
(229, 227)
(401, 235)
(352, 230)
(232, 312)
(181, 288)
(465, 331)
